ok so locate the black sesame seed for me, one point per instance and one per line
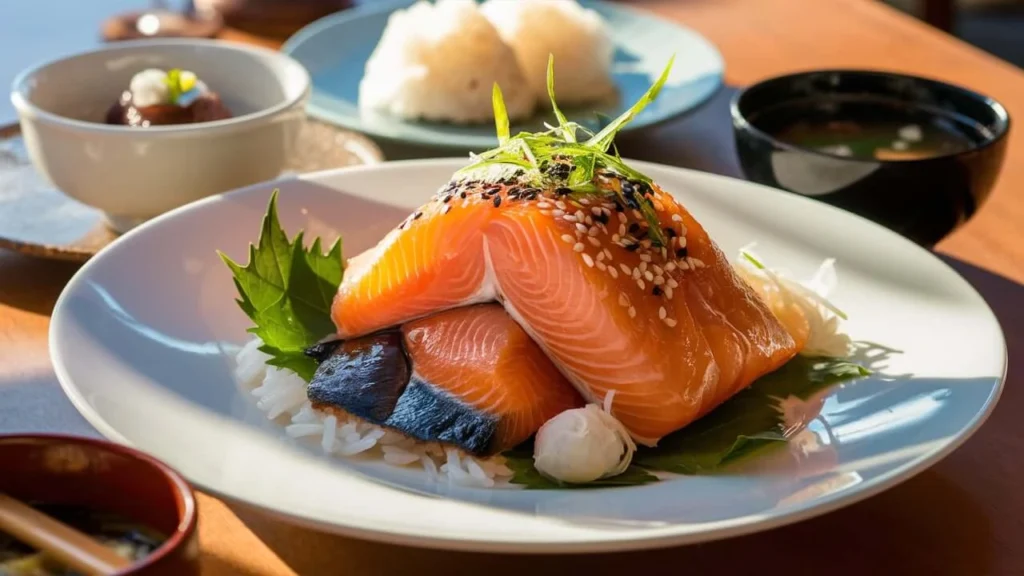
(515, 190)
(670, 232)
(563, 191)
(633, 247)
(681, 253)
(633, 228)
(462, 194)
(656, 291)
(497, 201)
(602, 218)
(619, 207)
(417, 215)
(446, 199)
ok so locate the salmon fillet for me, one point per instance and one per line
(468, 377)
(657, 316)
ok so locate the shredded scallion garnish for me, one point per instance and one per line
(533, 151)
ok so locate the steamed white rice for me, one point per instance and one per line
(578, 38)
(282, 394)
(440, 62)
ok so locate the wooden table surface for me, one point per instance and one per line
(963, 516)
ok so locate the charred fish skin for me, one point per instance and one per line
(429, 414)
(364, 376)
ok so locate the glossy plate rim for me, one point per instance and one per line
(446, 141)
(547, 535)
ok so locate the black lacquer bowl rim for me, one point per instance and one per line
(741, 124)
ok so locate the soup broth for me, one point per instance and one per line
(126, 538)
(871, 130)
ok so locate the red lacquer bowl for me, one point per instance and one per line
(101, 476)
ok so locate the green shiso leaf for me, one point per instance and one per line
(500, 114)
(520, 461)
(750, 420)
(287, 291)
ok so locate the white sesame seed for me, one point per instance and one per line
(662, 313)
(560, 204)
(545, 212)
(606, 210)
(569, 218)
(622, 229)
(589, 220)
(613, 272)
(608, 253)
(447, 207)
(682, 242)
(600, 266)
(659, 206)
(557, 213)
(683, 265)
(579, 235)
(672, 283)
(579, 247)
(600, 256)
(640, 284)
(632, 312)
(593, 230)
(543, 205)
(659, 280)
(596, 211)
(616, 238)
(588, 260)
(622, 217)
(581, 227)
(594, 242)
(697, 262)
(568, 238)
(642, 267)
(670, 266)
(668, 292)
(636, 273)
(622, 300)
(657, 269)
(638, 215)
(584, 201)
(664, 253)
(645, 257)
(649, 276)
(677, 218)
(625, 269)
(671, 323)
(682, 230)
(646, 243)
(689, 260)
(579, 215)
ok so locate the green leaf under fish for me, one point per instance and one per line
(287, 291)
(749, 421)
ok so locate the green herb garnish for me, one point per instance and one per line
(748, 421)
(178, 83)
(287, 289)
(531, 151)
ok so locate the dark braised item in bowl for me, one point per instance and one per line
(206, 108)
(156, 98)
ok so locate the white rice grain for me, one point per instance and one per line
(280, 392)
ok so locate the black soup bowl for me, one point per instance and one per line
(915, 155)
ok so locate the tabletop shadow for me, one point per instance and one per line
(32, 284)
(860, 539)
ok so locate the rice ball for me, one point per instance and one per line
(439, 62)
(578, 38)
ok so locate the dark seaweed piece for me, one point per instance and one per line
(363, 377)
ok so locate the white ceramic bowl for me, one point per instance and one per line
(133, 174)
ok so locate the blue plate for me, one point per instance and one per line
(335, 49)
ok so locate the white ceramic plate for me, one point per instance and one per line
(136, 341)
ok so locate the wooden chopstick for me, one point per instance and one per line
(64, 543)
